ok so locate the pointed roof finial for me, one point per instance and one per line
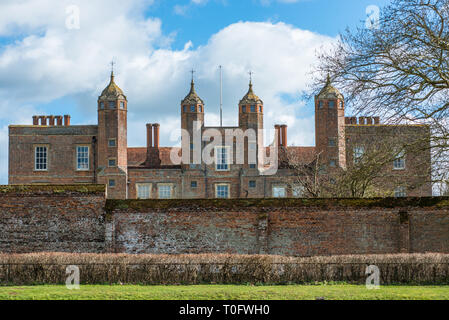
(328, 80)
(192, 97)
(250, 78)
(112, 68)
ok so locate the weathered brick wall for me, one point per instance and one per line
(281, 226)
(79, 219)
(56, 218)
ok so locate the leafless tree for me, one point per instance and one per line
(399, 71)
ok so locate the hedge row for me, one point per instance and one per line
(50, 268)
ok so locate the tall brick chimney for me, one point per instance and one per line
(156, 135)
(284, 135)
(149, 136)
(66, 120)
(153, 156)
(277, 129)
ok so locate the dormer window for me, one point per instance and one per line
(111, 104)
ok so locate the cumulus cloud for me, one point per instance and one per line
(52, 62)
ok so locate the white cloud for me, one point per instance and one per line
(52, 62)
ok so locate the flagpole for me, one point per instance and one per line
(221, 97)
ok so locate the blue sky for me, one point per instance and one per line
(49, 68)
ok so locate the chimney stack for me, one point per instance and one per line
(149, 136)
(284, 135)
(58, 120)
(35, 120)
(51, 120)
(278, 134)
(156, 135)
(66, 120)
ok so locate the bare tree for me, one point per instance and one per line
(306, 174)
(399, 71)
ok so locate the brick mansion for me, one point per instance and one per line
(52, 151)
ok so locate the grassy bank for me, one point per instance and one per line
(224, 292)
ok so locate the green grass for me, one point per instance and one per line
(223, 292)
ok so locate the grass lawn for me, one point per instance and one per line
(223, 292)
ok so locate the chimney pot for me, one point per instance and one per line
(284, 135)
(156, 135)
(149, 135)
(66, 120)
(35, 120)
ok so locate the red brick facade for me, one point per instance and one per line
(63, 148)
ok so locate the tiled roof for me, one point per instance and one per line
(138, 156)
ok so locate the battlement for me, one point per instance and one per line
(51, 120)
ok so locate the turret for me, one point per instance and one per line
(251, 117)
(329, 126)
(192, 110)
(112, 139)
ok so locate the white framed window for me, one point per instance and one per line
(399, 162)
(279, 192)
(82, 158)
(164, 191)
(222, 158)
(298, 191)
(222, 191)
(143, 190)
(41, 158)
(358, 153)
(400, 192)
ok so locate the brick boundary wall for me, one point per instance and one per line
(78, 218)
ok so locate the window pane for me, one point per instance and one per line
(253, 108)
(222, 191)
(331, 104)
(164, 192)
(41, 158)
(358, 154)
(143, 191)
(221, 158)
(399, 162)
(112, 104)
(82, 158)
(279, 192)
(399, 192)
